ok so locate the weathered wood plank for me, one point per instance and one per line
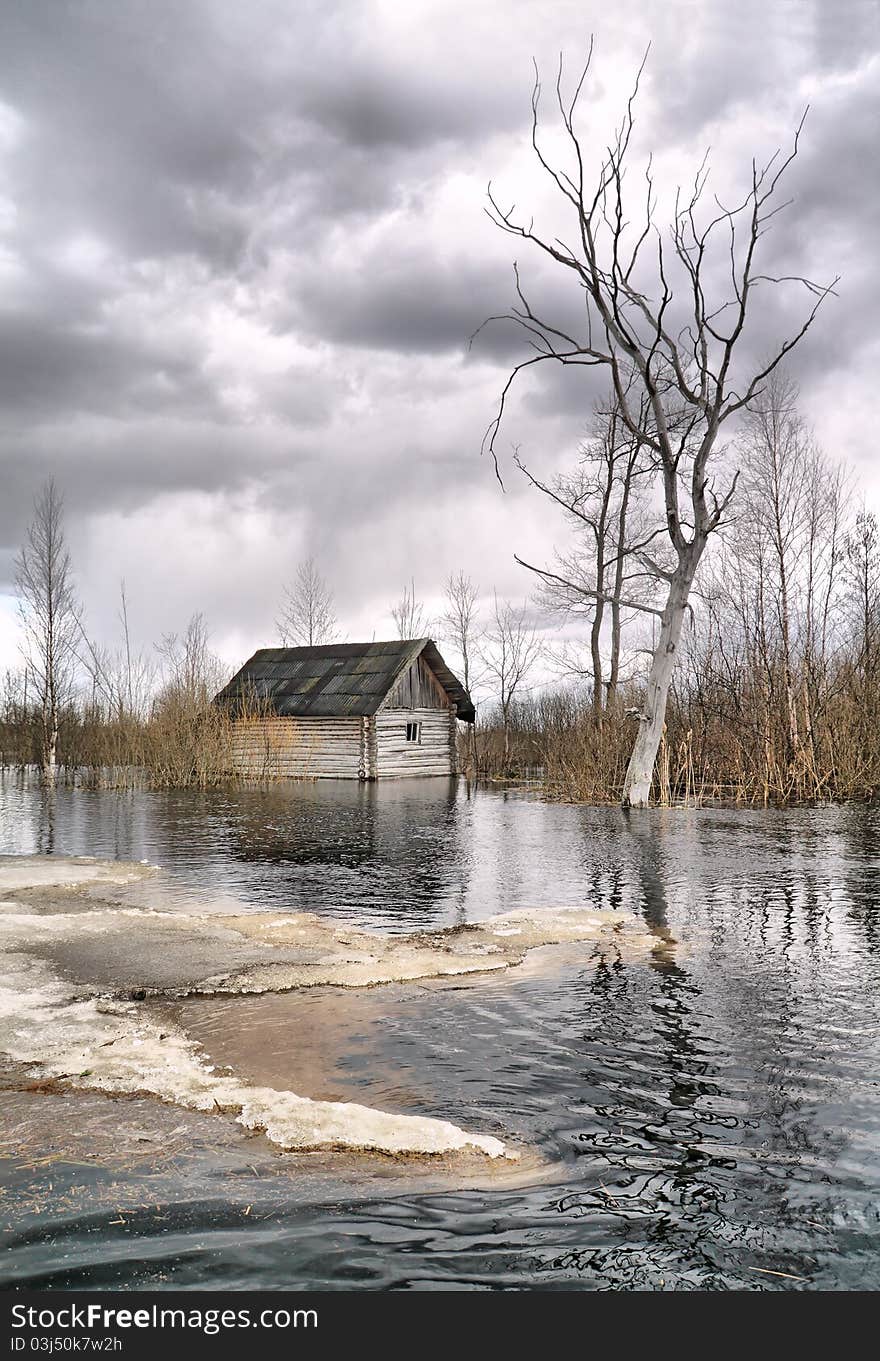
(298, 748)
(397, 758)
(346, 748)
(416, 688)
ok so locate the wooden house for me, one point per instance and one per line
(351, 711)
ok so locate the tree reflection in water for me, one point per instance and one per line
(709, 1115)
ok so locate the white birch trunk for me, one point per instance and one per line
(640, 771)
(50, 770)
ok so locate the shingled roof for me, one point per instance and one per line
(337, 678)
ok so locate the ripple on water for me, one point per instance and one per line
(709, 1118)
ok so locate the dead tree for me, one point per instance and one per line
(307, 615)
(602, 501)
(660, 318)
(862, 568)
(49, 618)
(509, 650)
(863, 571)
(409, 614)
(121, 680)
(459, 623)
(789, 538)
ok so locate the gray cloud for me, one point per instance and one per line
(404, 300)
(242, 249)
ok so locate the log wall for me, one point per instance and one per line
(299, 748)
(346, 748)
(433, 755)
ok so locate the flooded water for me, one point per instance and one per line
(706, 1118)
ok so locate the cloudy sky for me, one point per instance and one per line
(242, 249)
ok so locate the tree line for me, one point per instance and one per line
(79, 709)
(775, 698)
(719, 594)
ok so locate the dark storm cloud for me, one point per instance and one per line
(160, 120)
(826, 232)
(48, 371)
(242, 250)
(402, 300)
(130, 467)
(167, 132)
(837, 190)
(727, 57)
(390, 106)
(130, 124)
(844, 33)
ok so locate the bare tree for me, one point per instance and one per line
(602, 499)
(188, 734)
(307, 616)
(774, 456)
(509, 651)
(766, 647)
(789, 544)
(409, 614)
(15, 719)
(49, 617)
(863, 571)
(459, 623)
(862, 562)
(122, 679)
(192, 672)
(666, 320)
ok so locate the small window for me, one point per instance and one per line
(413, 732)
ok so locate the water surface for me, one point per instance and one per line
(708, 1118)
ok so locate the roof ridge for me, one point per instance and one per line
(337, 678)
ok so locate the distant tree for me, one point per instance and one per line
(192, 672)
(664, 317)
(409, 614)
(459, 623)
(121, 679)
(188, 734)
(50, 619)
(789, 537)
(307, 616)
(768, 636)
(16, 719)
(509, 650)
(863, 573)
(604, 575)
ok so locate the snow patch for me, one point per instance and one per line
(98, 1043)
(113, 1047)
(49, 871)
(81, 1036)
